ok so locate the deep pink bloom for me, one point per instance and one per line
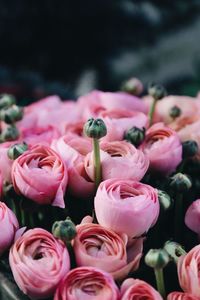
(97, 246)
(86, 283)
(9, 225)
(163, 147)
(38, 262)
(126, 206)
(181, 296)
(138, 289)
(40, 175)
(192, 217)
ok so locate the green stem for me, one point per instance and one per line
(160, 282)
(97, 162)
(178, 217)
(151, 111)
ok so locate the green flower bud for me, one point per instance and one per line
(157, 258)
(6, 100)
(174, 112)
(11, 114)
(64, 230)
(95, 128)
(180, 182)
(135, 136)
(165, 200)
(157, 91)
(190, 148)
(10, 133)
(174, 250)
(132, 86)
(16, 150)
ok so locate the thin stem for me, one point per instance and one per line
(97, 162)
(151, 111)
(160, 282)
(178, 218)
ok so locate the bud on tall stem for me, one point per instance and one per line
(157, 92)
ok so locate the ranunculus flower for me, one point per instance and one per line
(40, 175)
(163, 147)
(119, 160)
(38, 262)
(9, 225)
(126, 206)
(97, 246)
(192, 217)
(188, 271)
(138, 289)
(181, 296)
(87, 283)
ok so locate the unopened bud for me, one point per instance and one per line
(6, 100)
(64, 230)
(11, 114)
(190, 148)
(165, 200)
(95, 128)
(174, 250)
(157, 91)
(16, 150)
(135, 136)
(174, 112)
(157, 258)
(180, 182)
(10, 133)
(132, 86)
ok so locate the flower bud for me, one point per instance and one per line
(174, 250)
(16, 150)
(190, 148)
(165, 200)
(132, 86)
(157, 91)
(157, 258)
(64, 230)
(175, 112)
(6, 100)
(135, 136)
(10, 133)
(95, 128)
(180, 182)
(11, 114)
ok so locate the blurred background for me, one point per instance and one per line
(71, 47)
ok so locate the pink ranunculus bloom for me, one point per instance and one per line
(40, 175)
(126, 206)
(97, 246)
(192, 217)
(118, 121)
(38, 262)
(87, 283)
(9, 225)
(163, 147)
(119, 160)
(188, 271)
(96, 101)
(138, 289)
(181, 296)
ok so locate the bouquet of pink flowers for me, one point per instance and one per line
(100, 198)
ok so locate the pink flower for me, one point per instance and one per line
(163, 147)
(40, 175)
(38, 262)
(181, 296)
(192, 217)
(97, 246)
(138, 289)
(9, 225)
(87, 283)
(188, 271)
(119, 160)
(126, 206)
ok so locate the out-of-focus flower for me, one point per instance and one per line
(192, 217)
(181, 296)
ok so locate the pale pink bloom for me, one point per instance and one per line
(138, 289)
(9, 225)
(192, 217)
(87, 283)
(38, 262)
(97, 246)
(188, 271)
(40, 175)
(119, 160)
(181, 296)
(126, 206)
(163, 148)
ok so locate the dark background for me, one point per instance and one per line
(70, 47)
